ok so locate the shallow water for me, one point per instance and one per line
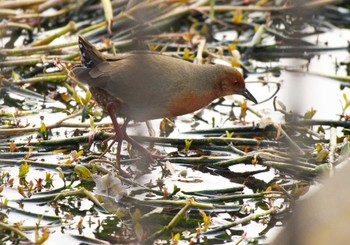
(299, 92)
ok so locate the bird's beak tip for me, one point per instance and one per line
(248, 95)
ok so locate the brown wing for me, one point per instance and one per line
(150, 84)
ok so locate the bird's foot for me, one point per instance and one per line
(157, 156)
(151, 157)
(115, 138)
(108, 148)
(148, 155)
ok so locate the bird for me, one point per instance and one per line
(143, 85)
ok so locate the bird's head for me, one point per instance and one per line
(232, 82)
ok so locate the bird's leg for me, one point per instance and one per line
(108, 139)
(151, 131)
(110, 146)
(139, 147)
(119, 135)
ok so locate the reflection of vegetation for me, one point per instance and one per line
(172, 199)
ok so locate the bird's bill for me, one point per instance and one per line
(248, 95)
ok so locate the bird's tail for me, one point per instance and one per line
(89, 55)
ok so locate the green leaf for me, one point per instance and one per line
(187, 145)
(346, 103)
(176, 190)
(176, 238)
(318, 147)
(82, 172)
(320, 129)
(23, 169)
(310, 113)
(206, 220)
(187, 55)
(87, 98)
(92, 122)
(42, 128)
(228, 134)
(77, 98)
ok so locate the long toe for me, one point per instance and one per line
(151, 156)
(158, 156)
